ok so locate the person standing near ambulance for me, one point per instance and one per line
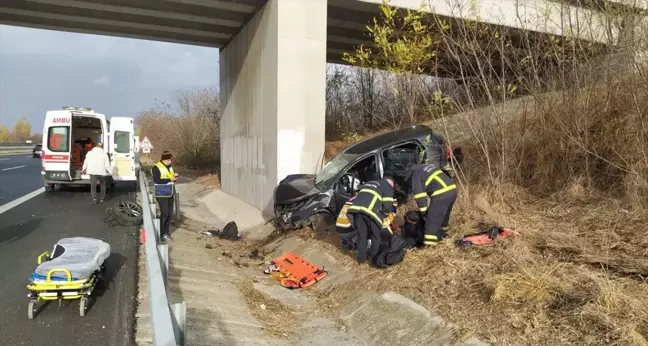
(97, 165)
(164, 181)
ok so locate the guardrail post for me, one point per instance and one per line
(156, 226)
(177, 206)
(180, 321)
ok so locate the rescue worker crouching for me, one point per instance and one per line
(164, 181)
(360, 223)
(435, 193)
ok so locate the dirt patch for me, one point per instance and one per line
(210, 180)
(277, 319)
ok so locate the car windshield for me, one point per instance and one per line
(330, 171)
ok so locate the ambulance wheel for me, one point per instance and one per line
(31, 309)
(83, 306)
(49, 187)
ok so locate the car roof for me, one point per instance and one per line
(389, 138)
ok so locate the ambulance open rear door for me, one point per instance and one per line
(57, 142)
(122, 149)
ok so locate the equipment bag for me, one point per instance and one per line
(293, 271)
(486, 237)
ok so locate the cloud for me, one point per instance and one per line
(41, 70)
(103, 80)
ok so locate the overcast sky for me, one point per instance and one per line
(42, 70)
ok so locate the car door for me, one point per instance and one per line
(122, 149)
(396, 161)
(365, 168)
(435, 151)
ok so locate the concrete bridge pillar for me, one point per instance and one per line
(272, 87)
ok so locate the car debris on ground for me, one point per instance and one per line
(124, 213)
(229, 232)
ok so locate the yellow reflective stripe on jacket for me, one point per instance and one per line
(164, 172)
(430, 239)
(444, 189)
(377, 197)
(342, 219)
(369, 210)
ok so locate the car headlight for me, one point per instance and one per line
(286, 217)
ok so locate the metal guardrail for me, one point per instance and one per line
(17, 144)
(16, 147)
(168, 321)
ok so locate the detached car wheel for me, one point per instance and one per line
(128, 213)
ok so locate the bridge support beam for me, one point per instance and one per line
(272, 87)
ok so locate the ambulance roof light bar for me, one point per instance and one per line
(78, 109)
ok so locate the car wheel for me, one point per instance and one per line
(128, 213)
(322, 222)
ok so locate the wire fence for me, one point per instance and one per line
(168, 321)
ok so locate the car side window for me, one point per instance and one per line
(400, 158)
(396, 162)
(359, 173)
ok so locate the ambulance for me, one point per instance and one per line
(69, 133)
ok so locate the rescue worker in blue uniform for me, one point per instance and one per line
(164, 181)
(366, 214)
(435, 193)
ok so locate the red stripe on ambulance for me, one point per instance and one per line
(56, 158)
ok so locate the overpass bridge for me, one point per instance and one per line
(273, 61)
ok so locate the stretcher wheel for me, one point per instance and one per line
(83, 306)
(31, 309)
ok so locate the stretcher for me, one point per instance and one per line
(72, 271)
(293, 271)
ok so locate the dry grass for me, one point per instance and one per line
(275, 317)
(574, 187)
(565, 281)
(209, 180)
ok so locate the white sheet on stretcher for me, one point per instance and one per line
(82, 257)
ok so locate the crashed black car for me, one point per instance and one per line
(314, 199)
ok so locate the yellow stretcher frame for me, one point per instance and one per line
(73, 289)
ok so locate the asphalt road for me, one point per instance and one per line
(19, 175)
(34, 227)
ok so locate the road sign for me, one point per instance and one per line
(146, 143)
(146, 150)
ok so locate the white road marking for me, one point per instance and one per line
(5, 159)
(10, 168)
(18, 201)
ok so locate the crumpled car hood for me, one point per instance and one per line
(295, 187)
